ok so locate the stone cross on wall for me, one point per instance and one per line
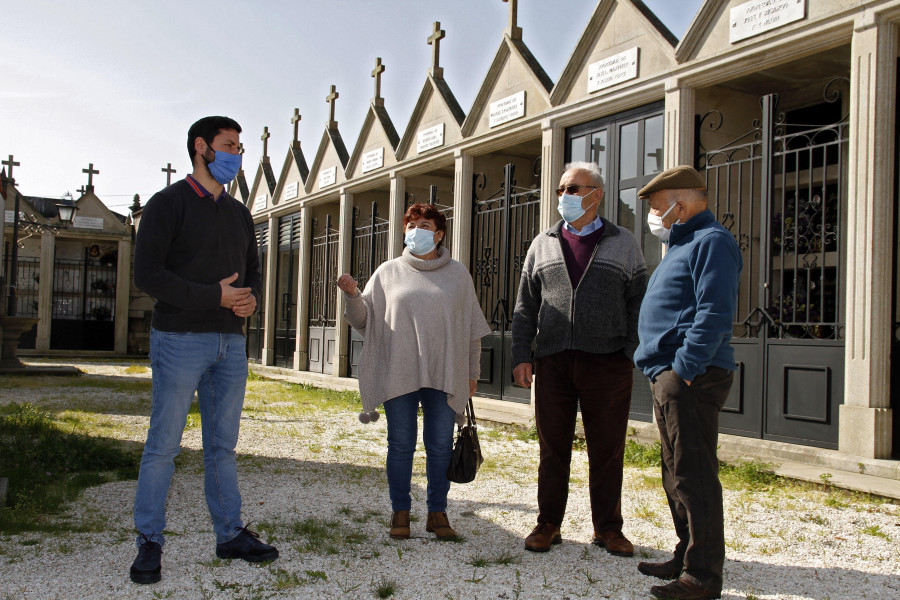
(330, 98)
(434, 40)
(265, 140)
(296, 121)
(90, 173)
(168, 170)
(512, 30)
(376, 73)
(9, 168)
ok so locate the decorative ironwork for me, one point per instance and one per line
(715, 123)
(370, 244)
(323, 275)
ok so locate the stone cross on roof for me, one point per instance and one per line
(9, 171)
(265, 140)
(90, 173)
(168, 170)
(330, 98)
(434, 40)
(81, 190)
(512, 30)
(296, 121)
(241, 148)
(376, 73)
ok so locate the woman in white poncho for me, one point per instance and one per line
(422, 328)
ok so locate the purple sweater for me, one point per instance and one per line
(577, 250)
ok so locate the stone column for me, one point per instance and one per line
(45, 293)
(553, 141)
(679, 124)
(865, 417)
(462, 207)
(395, 215)
(301, 351)
(345, 243)
(269, 295)
(123, 288)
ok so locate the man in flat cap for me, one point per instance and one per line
(685, 327)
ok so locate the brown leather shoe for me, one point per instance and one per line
(542, 537)
(439, 526)
(400, 525)
(682, 589)
(671, 569)
(614, 542)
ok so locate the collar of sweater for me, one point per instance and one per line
(608, 228)
(426, 265)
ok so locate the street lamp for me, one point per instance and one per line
(66, 209)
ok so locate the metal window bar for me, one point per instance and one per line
(323, 279)
(370, 244)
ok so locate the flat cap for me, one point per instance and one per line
(682, 177)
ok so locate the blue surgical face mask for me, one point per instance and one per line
(224, 167)
(420, 241)
(570, 207)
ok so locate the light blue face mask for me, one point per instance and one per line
(420, 241)
(569, 207)
(225, 166)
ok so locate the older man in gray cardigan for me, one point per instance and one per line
(575, 328)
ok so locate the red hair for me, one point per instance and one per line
(426, 211)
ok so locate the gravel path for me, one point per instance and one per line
(327, 468)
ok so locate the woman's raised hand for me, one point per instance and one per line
(348, 284)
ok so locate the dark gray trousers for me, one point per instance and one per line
(688, 421)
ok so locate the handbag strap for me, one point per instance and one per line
(470, 414)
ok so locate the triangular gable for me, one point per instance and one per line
(713, 32)
(331, 160)
(92, 214)
(516, 86)
(376, 144)
(294, 173)
(436, 109)
(623, 42)
(260, 196)
(238, 188)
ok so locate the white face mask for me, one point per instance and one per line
(655, 223)
(420, 241)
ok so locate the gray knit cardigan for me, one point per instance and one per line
(422, 327)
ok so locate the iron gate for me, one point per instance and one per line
(370, 249)
(27, 294)
(781, 189)
(84, 303)
(446, 210)
(288, 270)
(322, 290)
(503, 226)
(256, 321)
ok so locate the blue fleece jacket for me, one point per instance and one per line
(686, 318)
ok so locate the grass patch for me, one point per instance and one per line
(642, 455)
(47, 467)
(384, 588)
(322, 536)
(752, 474)
(505, 557)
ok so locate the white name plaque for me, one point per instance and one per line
(615, 69)
(373, 160)
(507, 109)
(759, 16)
(260, 203)
(11, 216)
(328, 177)
(291, 190)
(88, 222)
(430, 138)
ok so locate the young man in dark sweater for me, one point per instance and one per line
(196, 255)
(578, 303)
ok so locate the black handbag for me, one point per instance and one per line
(466, 456)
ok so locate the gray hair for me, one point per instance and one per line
(591, 168)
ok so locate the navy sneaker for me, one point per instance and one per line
(246, 545)
(146, 566)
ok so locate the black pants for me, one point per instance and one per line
(688, 421)
(601, 384)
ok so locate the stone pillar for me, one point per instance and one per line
(679, 124)
(45, 293)
(345, 243)
(123, 288)
(462, 207)
(301, 351)
(395, 215)
(269, 295)
(865, 418)
(552, 158)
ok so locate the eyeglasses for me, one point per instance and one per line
(573, 189)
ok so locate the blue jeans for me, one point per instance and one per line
(402, 425)
(215, 366)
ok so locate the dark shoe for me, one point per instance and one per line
(671, 569)
(146, 566)
(614, 542)
(248, 547)
(400, 525)
(542, 537)
(439, 526)
(682, 589)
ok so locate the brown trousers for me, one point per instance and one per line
(601, 385)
